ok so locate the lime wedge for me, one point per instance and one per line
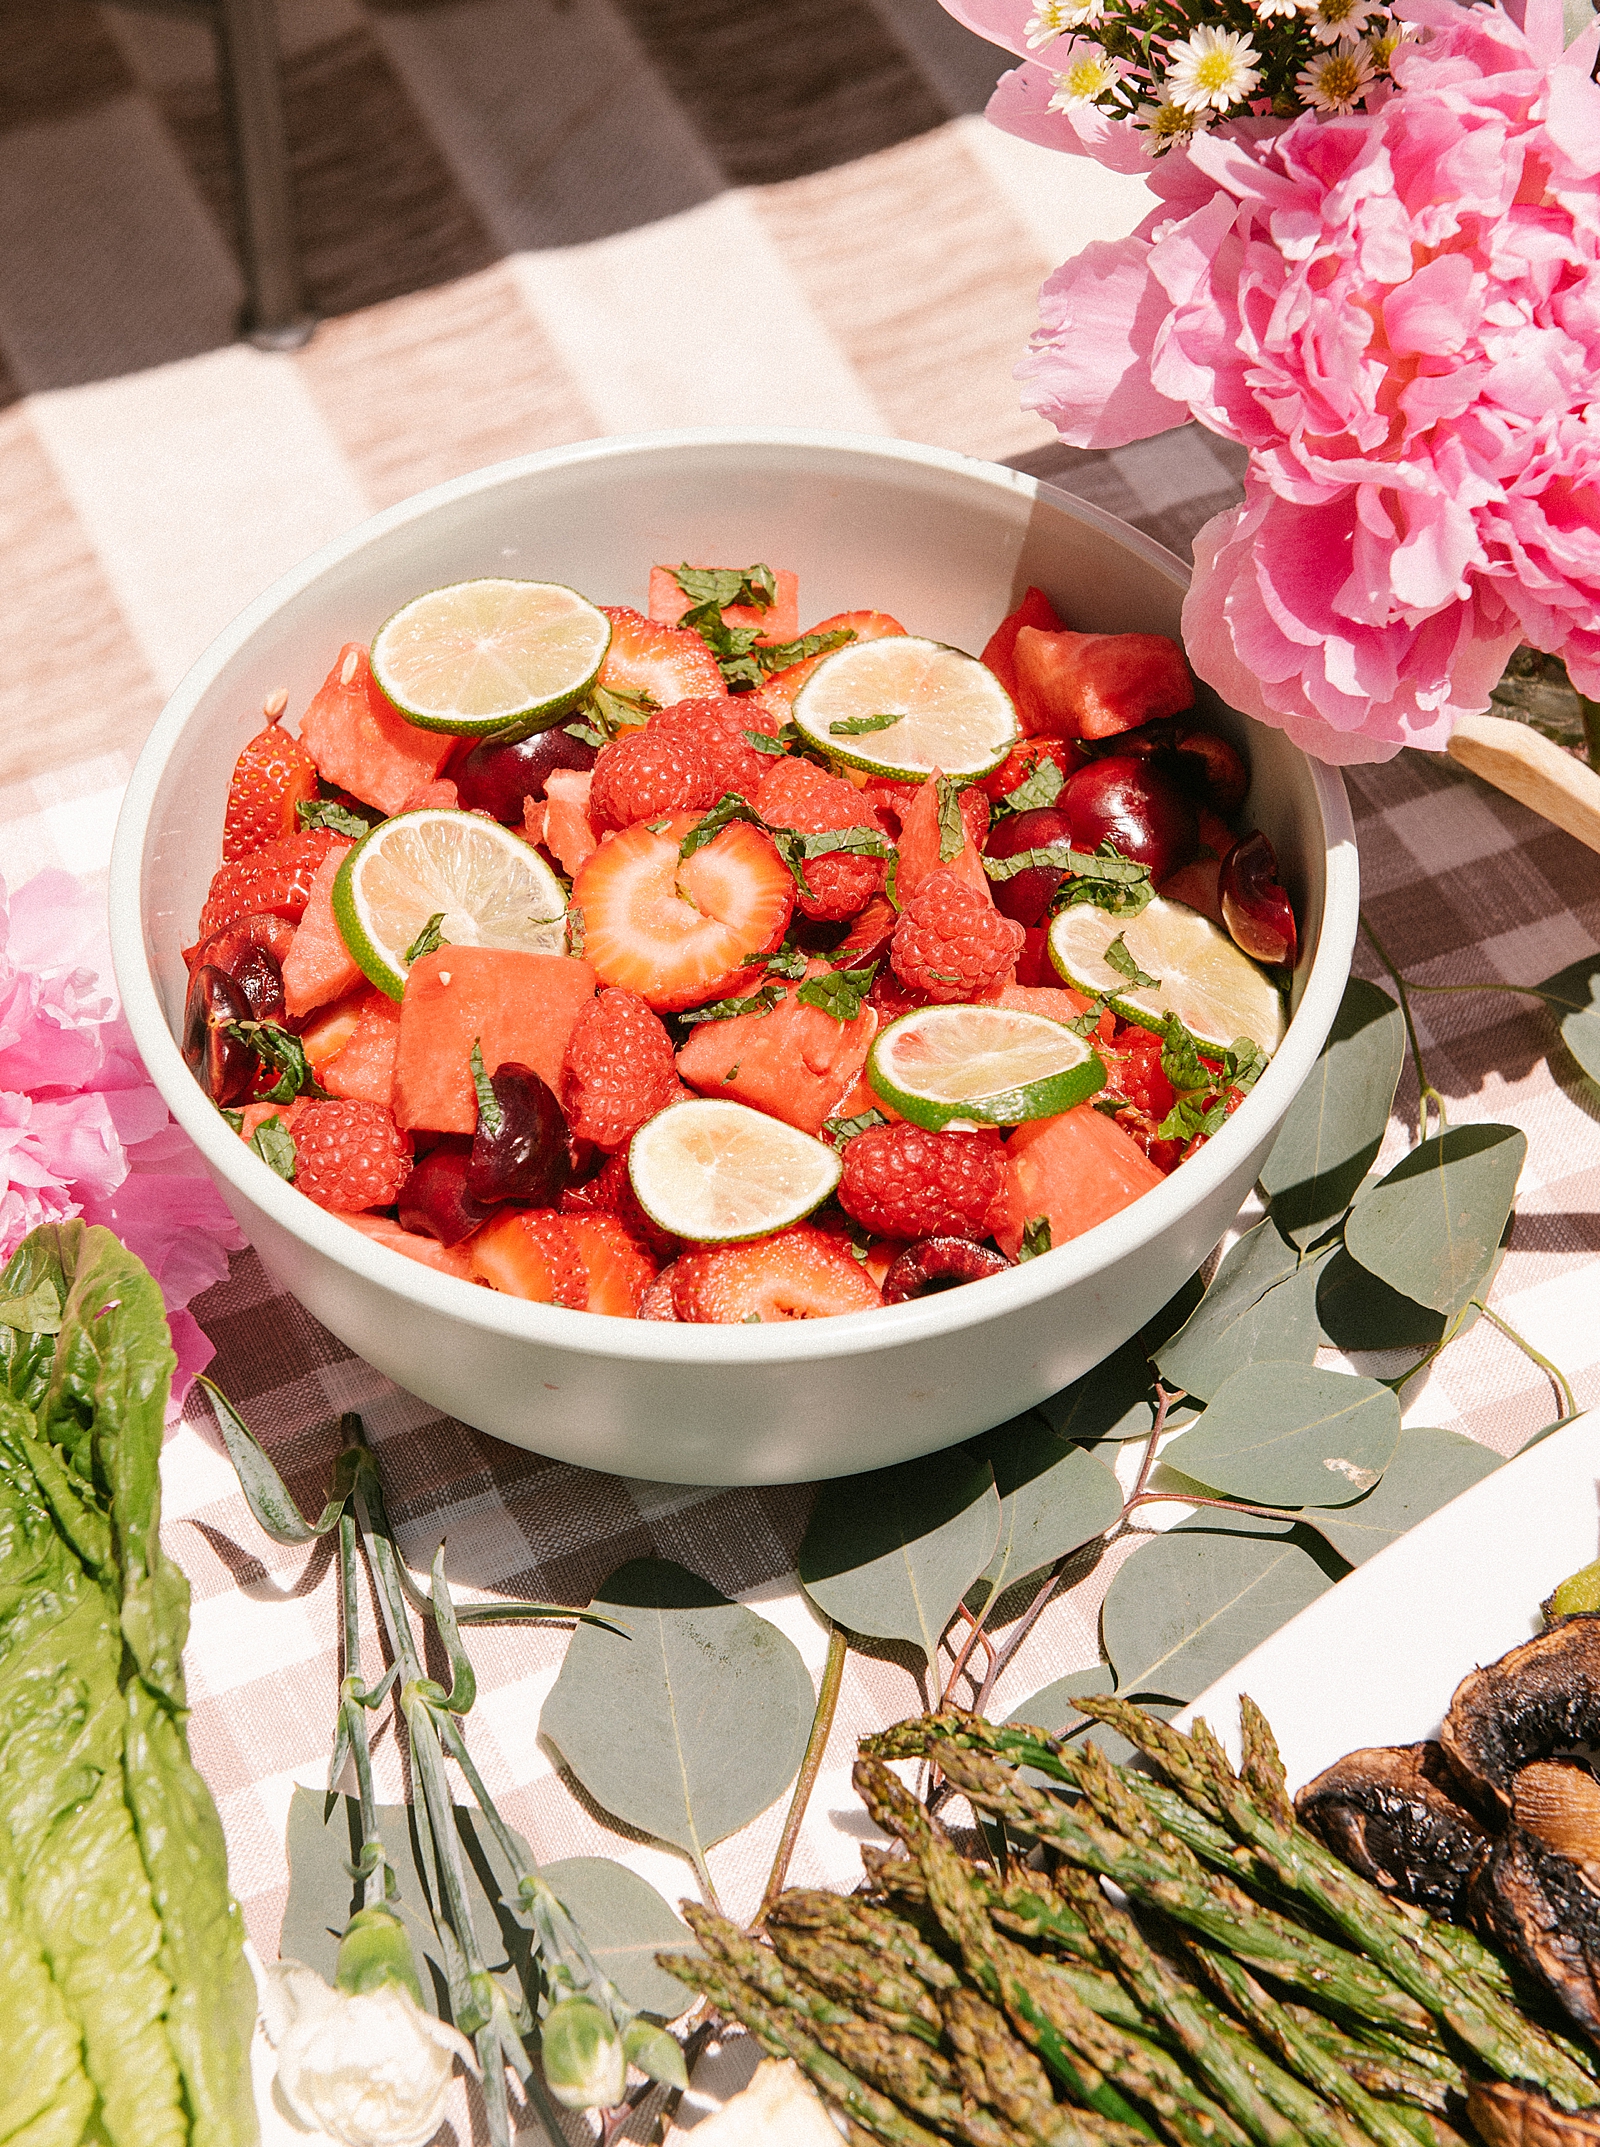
(484, 885)
(902, 707)
(990, 1065)
(485, 656)
(1217, 992)
(717, 1172)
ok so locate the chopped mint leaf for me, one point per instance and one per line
(275, 1047)
(761, 1002)
(1191, 1119)
(1088, 1021)
(858, 841)
(858, 726)
(730, 806)
(234, 1118)
(274, 1143)
(586, 734)
(764, 742)
(787, 961)
(1110, 1106)
(751, 1319)
(843, 1130)
(575, 930)
(784, 653)
(891, 880)
(730, 645)
(840, 993)
(490, 1116)
(607, 711)
(336, 818)
(1035, 1238)
(952, 828)
(755, 586)
(1101, 872)
(1041, 788)
(1245, 1062)
(428, 941)
(1123, 963)
(1180, 1058)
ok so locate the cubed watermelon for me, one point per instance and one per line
(1074, 1170)
(363, 1067)
(362, 744)
(318, 967)
(999, 651)
(918, 846)
(1095, 685)
(795, 1062)
(519, 1008)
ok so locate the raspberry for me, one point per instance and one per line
(795, 794)
(903, 1182)
(610, 1192)
(718, 726)
(350, 1156)
(619, 1069)
(952, 943)
(648, 774)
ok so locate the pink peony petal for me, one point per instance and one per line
(1089, 370)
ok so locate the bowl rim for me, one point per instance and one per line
(684, 1344)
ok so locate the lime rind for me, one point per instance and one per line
(981, 1065)
(1214, 988)
(492, 657)
(438, 861)
(720, 1173)
(954, 714)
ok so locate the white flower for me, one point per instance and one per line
(1384, 46)
(369, 2069)
(1333, 20)
(1052, 18)
(1167, 125)
(1338, 80)
(1266, 9)
(1215, 68)
(1086, 77)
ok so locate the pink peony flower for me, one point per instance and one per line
(83, 1132)
(1398, 313)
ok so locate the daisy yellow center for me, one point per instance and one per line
(1085, 78)
(1216, 71)
(1340, 76)
(1337, 10)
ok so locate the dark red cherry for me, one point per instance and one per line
(1134, 805)
(251, 953)
(1255, 907)
(496, 779)
(932, 1264)
(526, 1158)
(1212, 770)
(434, 1200)
(224, 1067)
(1029, 894)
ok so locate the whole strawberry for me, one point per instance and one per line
(350, 1156)
(619, 1069)
(951, 941)
(275, 880)
(271, 777)
(903, 1182)
(796, 794)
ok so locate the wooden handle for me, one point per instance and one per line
(1532, 769)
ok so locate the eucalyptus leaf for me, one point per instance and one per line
(1163, 1325)
(1333, 1130)
(1574, 1000)
(1429, 1468)
(1358, 1312)
(1114, 1401)
(892, 1553)
(688, 1721)
(1261, 1306)
(1053, 1496)
(1431, 1228)
(1290, 1435)
(1190, 1603)
(1550, 1430)
(625, 1924)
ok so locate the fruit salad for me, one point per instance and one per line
(684, 965)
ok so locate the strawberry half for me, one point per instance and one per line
(798, 1274)
(681, 931)
(271, 777)
(276, 879)
(670, 663)
(531, 1253)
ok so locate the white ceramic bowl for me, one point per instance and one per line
(947, 545)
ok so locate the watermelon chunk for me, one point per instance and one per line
(319, 967)
(362, 744)
(794, 1062)
(331, 1028)
(999, 651)
(517, 1007)
(383, 1230)
(918, 846)
(1075, 1170)
(362, 1069)
(779, 622)
(560, 819)
(1095, 685)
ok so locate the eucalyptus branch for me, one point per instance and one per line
(1557, 1377)
(810, 1768)
(1427, 1093)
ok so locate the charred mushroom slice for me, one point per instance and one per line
(1541, 1699)
(1560, 1802)
(1539, 1906)
(1507, 2116)
(1389, 1813)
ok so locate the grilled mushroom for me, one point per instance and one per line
(1545, 1913)
(1507, 2116)
(1389, 1812)
(1541, 1699)
(1560, 1802)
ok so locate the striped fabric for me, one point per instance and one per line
(527, 222)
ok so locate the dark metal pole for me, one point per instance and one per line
(276, 316)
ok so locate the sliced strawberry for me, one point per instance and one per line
(782, 686)
(779, 622)
(276, 878)
(868, 938)
(656, 1303)
(667, 662)
(681, 931)
(798, 1274)
(1023, 761)
(618, 1267)
(330, 1028)
(560, 819)
(271, 777)
(610, 1192)
(531, 1253)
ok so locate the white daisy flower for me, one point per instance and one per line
(1166, 125)
(1053, 18)
(1085, 79)
(1267, 9)
(1213, 69)
(1332, 20)
(1388, 41)
(1336, 81)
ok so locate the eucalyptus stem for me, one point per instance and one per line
(810, 1768)
(1557, 1377)
(1426, 1092)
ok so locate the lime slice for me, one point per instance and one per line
(485, 656)
(718, 1172)
(991, 1065)
(902, 707)
(486, 886)
(1217, 992)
